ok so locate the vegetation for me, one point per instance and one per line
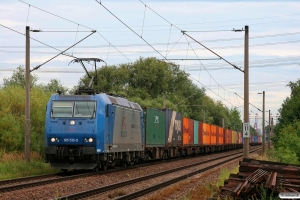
(198, 188)
(145, 81)
(287, 131)
(13, 165)
(12, 111)
(12, 125)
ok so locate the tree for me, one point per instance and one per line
(18, 79)
(12, 115)
(12, 111)
(287, 136)
(288, 143)
(147, 80)
(290, 108)
(53, 86)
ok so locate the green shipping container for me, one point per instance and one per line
(195, 132)
(154, 121)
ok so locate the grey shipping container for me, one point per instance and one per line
(173, 127)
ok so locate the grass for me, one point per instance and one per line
(200, 187)
(212, 188)
(117, 193)
(13, 165)
(206, 188)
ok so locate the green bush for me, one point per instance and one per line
(12, 115)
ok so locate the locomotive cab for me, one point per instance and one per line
(92, 131)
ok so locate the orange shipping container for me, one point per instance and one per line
(234, 137)
(213, 139)
(225, 136)
(204, 133)
(200, 133)
(228, 136)
(220, 135)
(240, 138)
(188, 131)
(207, 132)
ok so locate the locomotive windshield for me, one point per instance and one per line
(76, 109)
(84, 109)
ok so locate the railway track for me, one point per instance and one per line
(8, 182)
(94, 192)
(33, 181)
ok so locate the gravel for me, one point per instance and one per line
(55, 190)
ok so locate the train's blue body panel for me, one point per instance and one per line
(78, 125)
(74, 134)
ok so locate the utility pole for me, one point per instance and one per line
(27, 98)
(203, 115)
(223, 123)
(164, 100)
(246, 90)
(263, 125)
(269, 131)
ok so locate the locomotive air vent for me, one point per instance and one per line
(113, 100)
(136, 106)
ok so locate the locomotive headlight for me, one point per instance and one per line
(72, 122)
(90, 140)
(54, 139)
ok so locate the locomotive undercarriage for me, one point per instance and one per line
(80, 157)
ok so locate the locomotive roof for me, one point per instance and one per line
(123, 102)
(109, 99)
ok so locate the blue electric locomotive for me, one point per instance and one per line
(93, 131)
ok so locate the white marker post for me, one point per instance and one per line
(246, 130)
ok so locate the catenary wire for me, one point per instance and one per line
(56, 15)
(129, 27)
(36, 40)
(76, 24)
(163, 44)
(37, 67)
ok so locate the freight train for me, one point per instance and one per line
(101, 130)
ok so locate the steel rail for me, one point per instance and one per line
(175, 180)
(67, 176)
(28, 178)
(103, 189)
(70, 175)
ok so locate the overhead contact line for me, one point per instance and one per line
(130, 28)
(38, 41)
(37, 67)
(76, 24)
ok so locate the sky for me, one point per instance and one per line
(128, 30)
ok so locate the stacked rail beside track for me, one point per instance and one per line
(274, 177)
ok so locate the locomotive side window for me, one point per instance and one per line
(84, 109)
(62, 109)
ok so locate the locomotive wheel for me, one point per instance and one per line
(104, 166)
(96, 169)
